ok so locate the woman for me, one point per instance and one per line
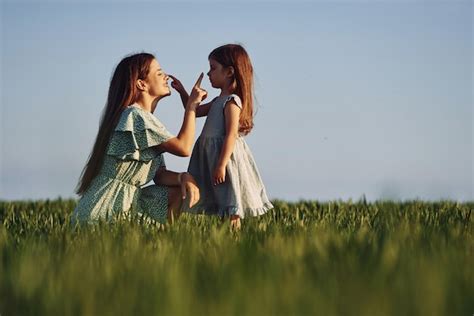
(128, 150)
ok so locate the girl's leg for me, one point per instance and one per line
(235, 222)
(174, 203)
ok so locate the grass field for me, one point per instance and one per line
(305, 258)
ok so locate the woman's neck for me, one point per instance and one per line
(147, 103)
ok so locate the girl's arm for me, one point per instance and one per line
(232, 115)
(184, 97)
(201, 110)
(178, 86)
(181, 145)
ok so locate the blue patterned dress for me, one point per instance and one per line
(131, 161)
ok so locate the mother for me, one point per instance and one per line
(128, 150)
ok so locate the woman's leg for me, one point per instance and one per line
(174, 203)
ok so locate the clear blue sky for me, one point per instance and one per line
(355, 97)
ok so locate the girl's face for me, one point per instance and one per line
(157, 81)
(218, 75)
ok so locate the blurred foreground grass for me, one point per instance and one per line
(304, 258)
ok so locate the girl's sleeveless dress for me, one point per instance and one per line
(131, 161)
(243, 192)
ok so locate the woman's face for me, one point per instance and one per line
(157, 81)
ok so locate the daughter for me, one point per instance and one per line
(221, 161)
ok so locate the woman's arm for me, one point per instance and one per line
(183, 179)
(181, 145)
(167, 177)
(232, 115)
(201, 110)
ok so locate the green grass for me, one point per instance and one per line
(305, 258)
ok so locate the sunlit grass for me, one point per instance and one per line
(305, 258)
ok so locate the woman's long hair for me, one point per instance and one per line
(122, 93)
(235, 55)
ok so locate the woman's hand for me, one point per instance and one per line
(189, 188)
(177, 85)
(197, 94)
(218, 176)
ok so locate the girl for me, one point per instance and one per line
(221, 162)
(128, 150)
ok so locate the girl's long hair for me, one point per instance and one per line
(235, 55)
(122, 93)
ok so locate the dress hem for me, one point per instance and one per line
(231, 210)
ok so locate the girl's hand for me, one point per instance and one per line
(197, 94)
(219, 175)
(177, 85)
